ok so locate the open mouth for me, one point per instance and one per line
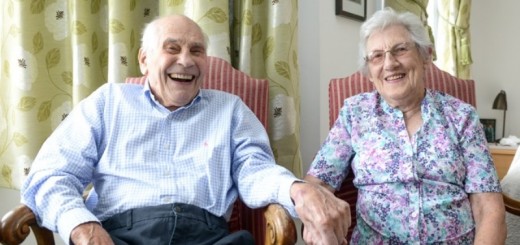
(181, 77)
(394, 77)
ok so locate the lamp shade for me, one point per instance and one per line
(500, 102)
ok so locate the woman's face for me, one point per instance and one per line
(395, 65)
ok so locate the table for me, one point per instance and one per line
(502, 157)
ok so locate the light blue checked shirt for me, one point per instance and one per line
(138, 153)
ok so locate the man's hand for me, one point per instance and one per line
(326, 218)
(90, 233)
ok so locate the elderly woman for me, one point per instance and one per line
(419, 156)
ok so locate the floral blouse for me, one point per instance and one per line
(411, 191)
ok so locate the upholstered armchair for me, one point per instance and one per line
(342, 88)
(270, 225)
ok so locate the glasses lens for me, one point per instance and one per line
(400, 49)
(378, 56)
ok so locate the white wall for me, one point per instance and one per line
(495, 38)
(328, 49)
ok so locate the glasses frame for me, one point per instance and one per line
(394, 50)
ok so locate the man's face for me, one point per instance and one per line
(177, 65)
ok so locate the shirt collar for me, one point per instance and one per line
(148, 93)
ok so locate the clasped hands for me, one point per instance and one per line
(325, 217)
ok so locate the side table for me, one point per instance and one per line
(502, 157)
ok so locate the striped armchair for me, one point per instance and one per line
(342, 88)
(270, 225)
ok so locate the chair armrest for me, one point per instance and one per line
(16, 225)
(512, 205)
(280, 228)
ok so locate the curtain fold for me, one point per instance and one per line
(417, 7)
(266, 45)
(55, 53)
(452, 35)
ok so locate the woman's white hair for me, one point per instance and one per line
(388, 17)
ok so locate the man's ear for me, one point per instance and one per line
(141, 57)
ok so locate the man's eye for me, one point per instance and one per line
(197, 52)
(172, 49)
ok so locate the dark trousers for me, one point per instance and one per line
(172, 224)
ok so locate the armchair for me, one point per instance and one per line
(342, 88)
(270, 225)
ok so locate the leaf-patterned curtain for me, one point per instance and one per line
(452, 35)
(54, 53)
(265, 45)
(418, 7)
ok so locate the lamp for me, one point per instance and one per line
(500, 103)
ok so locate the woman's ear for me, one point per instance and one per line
(141, 57)
(429, 58)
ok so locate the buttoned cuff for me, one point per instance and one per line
(284, 195)
(72, 218)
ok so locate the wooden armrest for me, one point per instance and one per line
(512, 205)
(280, 228)
(16, 225)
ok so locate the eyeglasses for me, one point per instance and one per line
(377, 57)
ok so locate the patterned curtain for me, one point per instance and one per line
(451, 31)
(418, 7)
(54, 53)
(265, 45)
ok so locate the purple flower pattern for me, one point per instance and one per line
(412, 190)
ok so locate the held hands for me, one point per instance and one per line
(90, 233)
(326, 218)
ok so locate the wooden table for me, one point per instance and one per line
(502, 156)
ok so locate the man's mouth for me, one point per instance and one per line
(181, 77)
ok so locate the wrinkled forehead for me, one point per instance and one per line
(182, 29)
(388, 37)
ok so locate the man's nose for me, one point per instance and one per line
(185, 58)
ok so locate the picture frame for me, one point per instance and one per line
(355, 9)
(489, 126)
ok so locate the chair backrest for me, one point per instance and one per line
(222, 76)
(255, 93)
(342, 88)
